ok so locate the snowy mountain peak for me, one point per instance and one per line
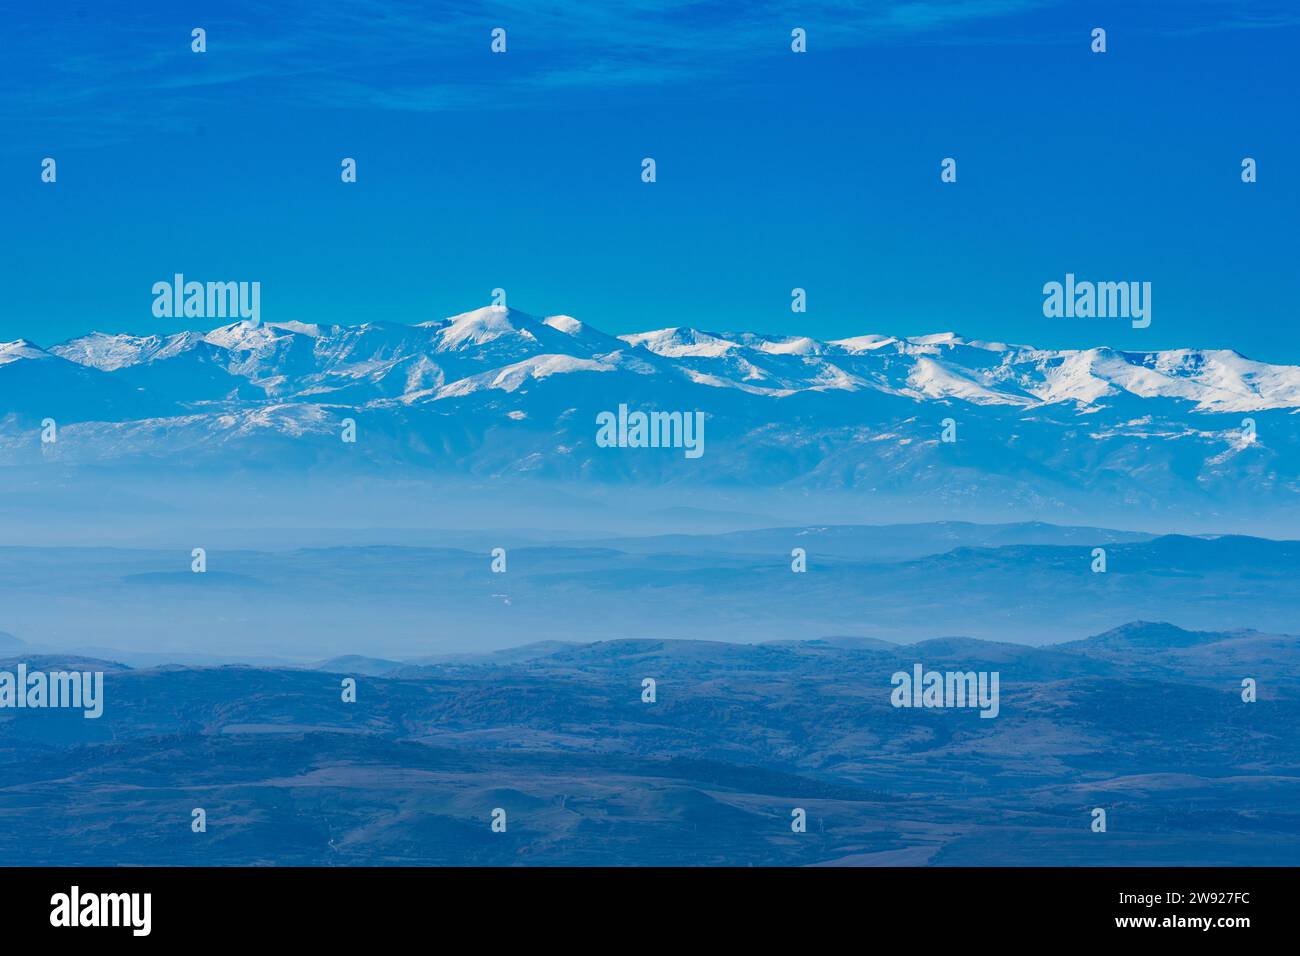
(681, 343)
(109, 352)
(564, 323)
(485, 325)
(247, 334)
(937, 338)
(864, 343)
(21, 349)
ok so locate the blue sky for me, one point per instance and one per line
(775, 170)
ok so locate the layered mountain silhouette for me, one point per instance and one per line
(1028, 584)
(1146, 721)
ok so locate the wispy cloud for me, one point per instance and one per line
(90, 72)
(103, 75)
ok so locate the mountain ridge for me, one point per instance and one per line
(943, 365)
(501, 394)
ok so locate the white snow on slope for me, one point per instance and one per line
(863, 343)
(484, 325)
(511, 377)
(21, 349)
(245, 336)
(936, 380)
(565, 323)
(681, 343)
(109, 352)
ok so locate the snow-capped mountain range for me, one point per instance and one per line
(497, 391)
(502, 349)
